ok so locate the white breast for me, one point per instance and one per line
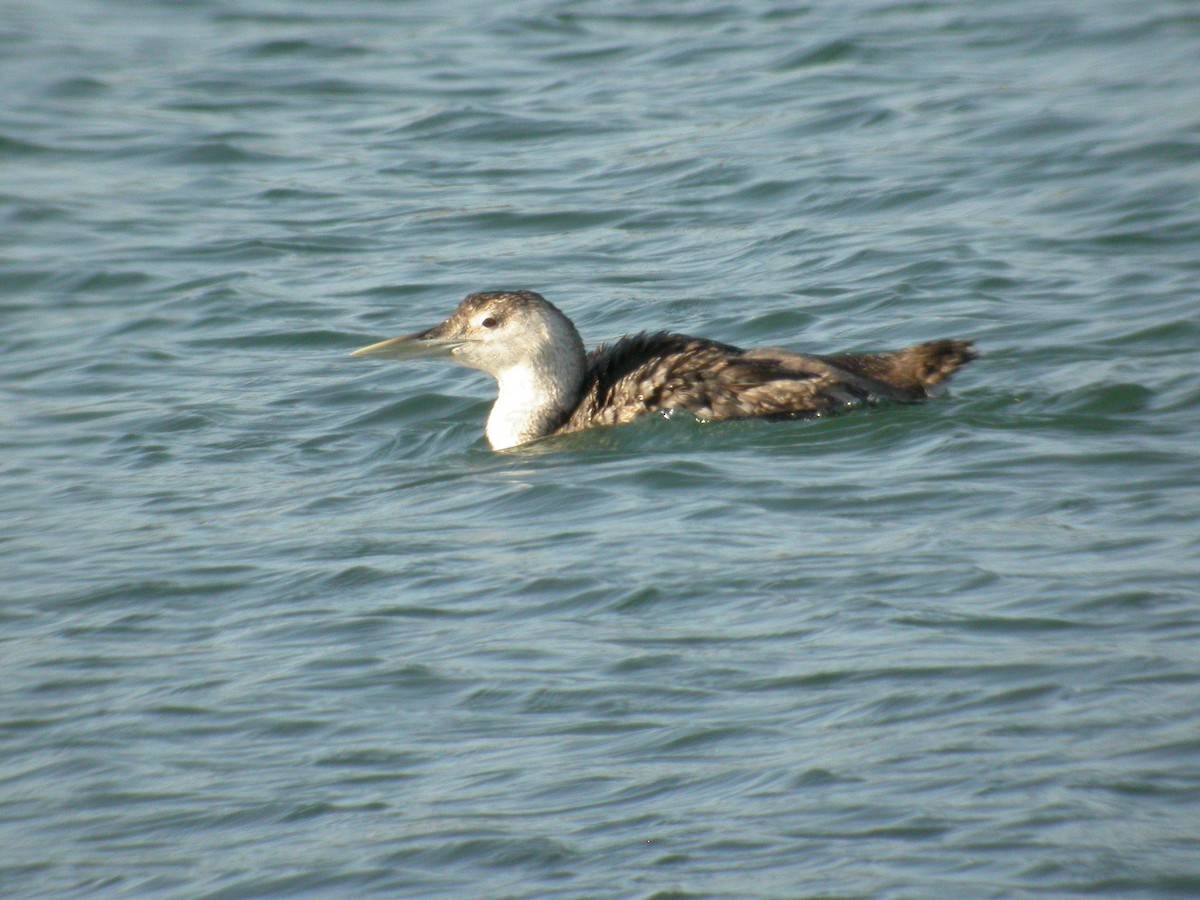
(522, 403)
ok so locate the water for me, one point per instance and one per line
(277, 622)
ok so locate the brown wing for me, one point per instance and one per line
(907, 374)
(648, 373)
(653, 372)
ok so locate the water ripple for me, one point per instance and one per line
(278, 622)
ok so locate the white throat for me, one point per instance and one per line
(530, 404)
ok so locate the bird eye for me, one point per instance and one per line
(489, 322)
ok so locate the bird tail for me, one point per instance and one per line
(911, 373)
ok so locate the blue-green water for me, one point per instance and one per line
(277, 622)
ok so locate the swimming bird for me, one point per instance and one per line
(548, 384)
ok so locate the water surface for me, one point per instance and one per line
(277, 622)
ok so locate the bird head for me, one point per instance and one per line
(491, 331)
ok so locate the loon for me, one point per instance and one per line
(548, 385)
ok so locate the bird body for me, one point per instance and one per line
(548, 384)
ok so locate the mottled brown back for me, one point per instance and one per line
(649, 373)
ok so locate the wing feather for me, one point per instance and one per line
(647, 373)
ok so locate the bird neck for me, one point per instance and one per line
(535, 397)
